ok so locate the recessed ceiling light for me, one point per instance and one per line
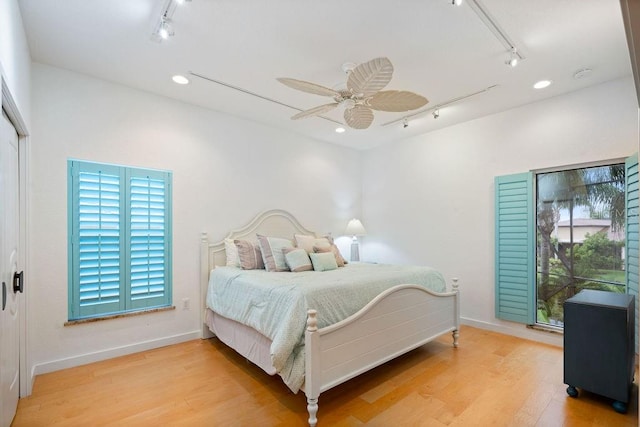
(340, 130)
(542, 84)
(181, 80)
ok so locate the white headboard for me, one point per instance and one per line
(275, 223)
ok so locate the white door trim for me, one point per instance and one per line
(17, 119)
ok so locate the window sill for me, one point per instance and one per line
(118, 316)
(547, 328)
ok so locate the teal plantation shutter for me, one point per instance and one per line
(515, 248)
(97, 249)
(149, 228)
(119, 239)
(631, 227)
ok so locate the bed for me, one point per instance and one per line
(396, 319)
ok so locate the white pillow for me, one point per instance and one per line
(308, 242)
(230, 249)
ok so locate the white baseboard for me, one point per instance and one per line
(517, 330)
(83, 359)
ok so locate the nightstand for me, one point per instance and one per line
(599, 345)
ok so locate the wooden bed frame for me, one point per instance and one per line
(398, 320)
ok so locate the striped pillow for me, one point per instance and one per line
(272, 255)
(249, 255)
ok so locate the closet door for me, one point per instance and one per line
(9, 313)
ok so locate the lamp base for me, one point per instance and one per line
(355, 252)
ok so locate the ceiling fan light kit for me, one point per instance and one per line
(362, 95)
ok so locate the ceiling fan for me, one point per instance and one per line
(362, 94)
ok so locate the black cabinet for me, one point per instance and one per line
(599, 345)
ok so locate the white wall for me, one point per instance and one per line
(430, 199)
(15, 60)
(225, 171)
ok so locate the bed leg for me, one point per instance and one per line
(312, 408)
(455, 334)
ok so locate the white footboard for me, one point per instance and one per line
(395, 322)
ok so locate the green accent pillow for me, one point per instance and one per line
(323, 261)
(297, 259)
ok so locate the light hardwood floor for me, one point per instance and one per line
(490, 380)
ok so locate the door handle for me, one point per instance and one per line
(4, 295)
(18, 282)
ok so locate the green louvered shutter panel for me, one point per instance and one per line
(631, 227)
(149, 233)
(515, 248)
(97, 250)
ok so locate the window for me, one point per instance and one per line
(580, 236)
(522, 237)
(119, 239)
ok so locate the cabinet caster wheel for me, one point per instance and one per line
(620, 407)
(572, 391)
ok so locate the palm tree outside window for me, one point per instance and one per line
(580, 236)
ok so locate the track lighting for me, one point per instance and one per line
(436, 113)
(166, 29)
(456, 2)
(513, 58)
(164, 26)
(515, 55)
(405, 123)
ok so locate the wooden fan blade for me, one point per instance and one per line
(396, 101)
(358, 117)
(307, 87)
(370, 77)
(315, 111)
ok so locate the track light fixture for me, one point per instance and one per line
(164, 27)
(456, 2)
(437, 107)
(512, 61)
(436, 113)
(515, 55)
(405, 123)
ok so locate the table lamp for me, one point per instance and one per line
(355, 228)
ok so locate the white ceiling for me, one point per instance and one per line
(438, 50)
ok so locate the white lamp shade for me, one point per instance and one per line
(355, 228)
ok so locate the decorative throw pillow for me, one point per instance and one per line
(335, 251)
(297, 259)
(231, 250)
(272, 255)
(249, 255)
(308, 242)
(323, 261)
